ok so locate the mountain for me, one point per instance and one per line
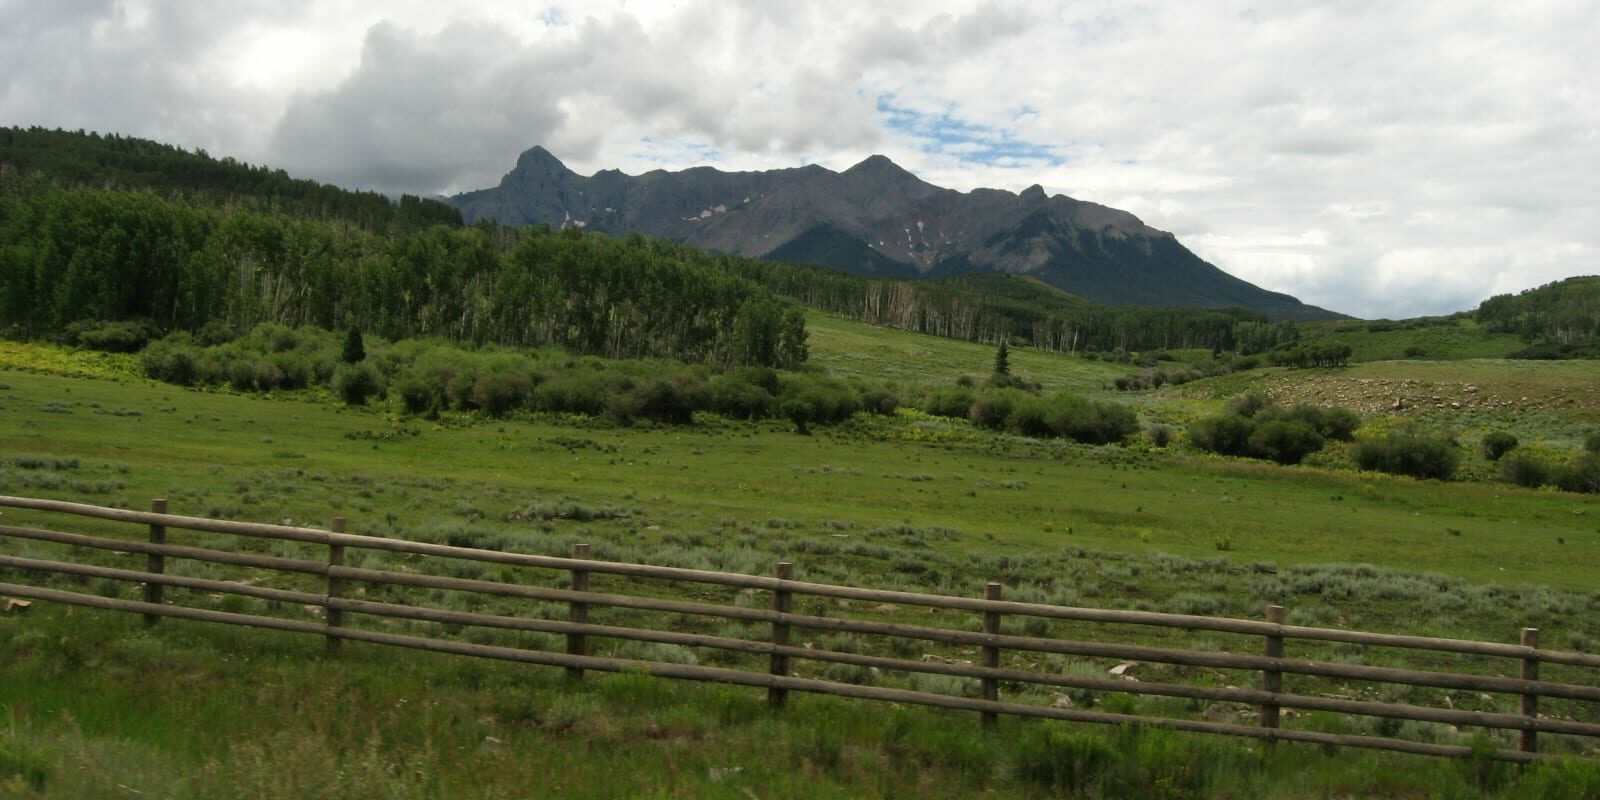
(877, 219)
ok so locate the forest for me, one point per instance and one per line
(1559, 320)
(96, 228)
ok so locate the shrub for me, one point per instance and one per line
(1413, 454)
(672, 402)
(1339, 424)
(1591, 443)
(1161, 435)
(879, 401)
(1497, 444)
(1091, 422)
(947, 401)
(501, 389)
(1228, 434)
(993, 409)
(1248, 405)
(1524, 469)
(120, 336)
(734, 394)
(1284, 441)
(356, 383)
(1581, 475)
(172, 359)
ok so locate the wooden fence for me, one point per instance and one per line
(335, 602)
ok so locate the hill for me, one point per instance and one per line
(32, 157)
(878, 219)
(1561, 319)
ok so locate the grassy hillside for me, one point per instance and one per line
(1424, 339)
(897, 502)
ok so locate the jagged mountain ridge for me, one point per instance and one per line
(876, 218)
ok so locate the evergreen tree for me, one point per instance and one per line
(355, 350)
(1002, 360)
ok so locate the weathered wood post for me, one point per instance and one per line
(991, 654)
(155, 563)
(1529, 742)
(1271, 679)
(577, 643)
(782, 603)
(335, 616)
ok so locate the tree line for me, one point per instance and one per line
(35, 156)
(72, 255)
(1563, 317)
(995, 308)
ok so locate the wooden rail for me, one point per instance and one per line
(336, 605)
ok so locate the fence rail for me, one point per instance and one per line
(579, 630)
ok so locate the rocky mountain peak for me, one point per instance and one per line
(878, 218)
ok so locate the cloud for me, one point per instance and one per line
(1440, 150)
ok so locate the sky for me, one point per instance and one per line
(1392, 158)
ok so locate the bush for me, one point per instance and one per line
(734, 394)
(1581, 475)
(1497, 444)
(501, 389)
(672, 402)
(1524, 469)
(357, 383)
(1413, 454)
(948, 401)
(993, 409)
(1284, 441)
(173, 360)
(1161, 435)
(1339, 424)
(121, 336)
(1228, 434)
(1249, 405)
(1592, 442)
(1092, 422)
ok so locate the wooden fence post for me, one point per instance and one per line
(1271, 679)
(334, 616)
(991, 654)
(577, 643)
(783, 603)
(1529, 742)
(156, 564)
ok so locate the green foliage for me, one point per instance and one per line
(1418, 455)
(1248, 405)
(1561, 319)
(355, 349)
(947, 401)
(1591, 443)
(1582, 474)
(1224, 434)
(121, 336)
(1524, 469)
(1322, 354)
(1001, 307)
(1253, 425)
(1067, 762)
(76, 160)
(1497, 444)
(84, 255)
(1002, 359)
(1071, 416)
(1284, 441)
(358, 383)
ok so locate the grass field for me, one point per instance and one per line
(907, 502)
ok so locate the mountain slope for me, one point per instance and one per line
(876, 218)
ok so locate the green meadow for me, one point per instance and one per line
(905, 501)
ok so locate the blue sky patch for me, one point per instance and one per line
(946, 134)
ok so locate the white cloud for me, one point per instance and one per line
(1375, 158)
